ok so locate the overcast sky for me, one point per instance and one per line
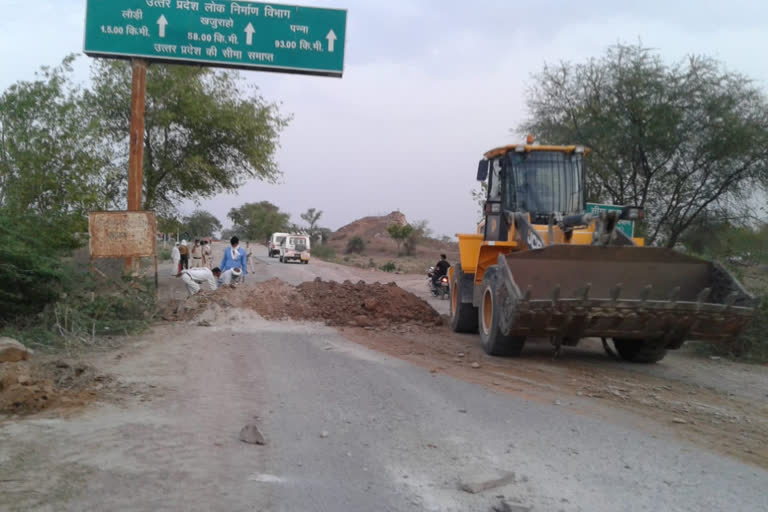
(429, 85)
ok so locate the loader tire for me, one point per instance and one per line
(463, 315)
(640, 351)
(492, 339)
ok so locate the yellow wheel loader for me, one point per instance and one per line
(541, 267)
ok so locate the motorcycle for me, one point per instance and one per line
(439, 289)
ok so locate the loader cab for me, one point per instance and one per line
(539, 180)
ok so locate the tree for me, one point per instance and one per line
(311, 217)
(202, 136)
(400, 233)
(201, 224)
(730, 243)
(420, 231)
(256, 221)
(169, 224)
(53, 161)
(324, 234)
(355, 245)
(27, 283)
(683, 141)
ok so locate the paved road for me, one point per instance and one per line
(347, 429)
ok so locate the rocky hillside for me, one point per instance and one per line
(380, 248)
(369, 228)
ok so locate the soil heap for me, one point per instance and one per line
(337, 304)
(27, 387)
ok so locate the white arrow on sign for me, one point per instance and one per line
(161, 24)
(249, 31)
(331, 37)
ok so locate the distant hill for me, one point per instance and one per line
(369, 228)
(380, 247)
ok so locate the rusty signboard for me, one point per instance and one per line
(122, 234)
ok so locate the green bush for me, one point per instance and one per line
(31, 273)
(388, 267)
(164, 254)
(753, 343)
(355, 245)
(92, 307)
(323, 252)
(44, 301)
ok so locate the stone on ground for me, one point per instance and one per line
(11, 351)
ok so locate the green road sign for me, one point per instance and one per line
(242, 34)
(626, 226)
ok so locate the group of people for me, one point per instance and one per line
(232, 270)
(184, 257)
(233, 267)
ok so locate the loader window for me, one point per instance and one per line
(544, 182)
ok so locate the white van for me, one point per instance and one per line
(273, 246)
(295, 248)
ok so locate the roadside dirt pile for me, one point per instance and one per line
(27, 387)
(337, 304)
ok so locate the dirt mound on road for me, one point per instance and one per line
(365, 304)
(354, 304)
(27, 387)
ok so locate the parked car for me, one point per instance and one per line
(273, 245)
(295, 248)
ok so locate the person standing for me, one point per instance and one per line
(234, 257)
(176, 258)
(249, 256)
(184, 252)
(206, 250)
(197, 257)
(194, 277)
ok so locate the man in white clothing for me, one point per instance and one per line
(193, 277)
(231, 276)
(176, 258)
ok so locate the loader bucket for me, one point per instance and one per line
(575, 291)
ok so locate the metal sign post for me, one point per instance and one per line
(136, 149)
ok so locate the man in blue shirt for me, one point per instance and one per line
(234, 257)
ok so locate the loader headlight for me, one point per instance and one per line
(578, 150)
